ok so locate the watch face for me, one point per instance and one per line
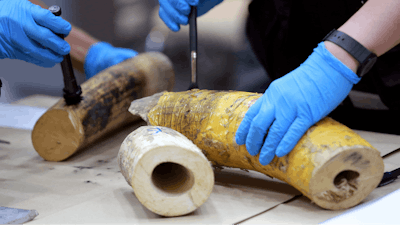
(367, 65)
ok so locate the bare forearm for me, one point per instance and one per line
(79, 40)
(376, 26)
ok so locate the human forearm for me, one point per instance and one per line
(79, 40)
(376, 26)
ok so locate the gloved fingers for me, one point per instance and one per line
(177, 11)
(45, 18)
(168, 21)
(46, 64)
(20, 55)
(266, 156)
(93, 60)
(181, 6)
(48, 39)
(242, 131)
(32, 49)
(275, 135)
(259, 128)
(43, 54)
(193, 2)
(293, 135)
(103, 55)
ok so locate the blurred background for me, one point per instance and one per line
(225, 58)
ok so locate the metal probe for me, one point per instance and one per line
(193, 46)
(72, 91)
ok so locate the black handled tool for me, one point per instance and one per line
(72, 91)
(193, 46)
(389, 177)
(4, 142)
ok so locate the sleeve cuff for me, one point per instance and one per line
(337, 64)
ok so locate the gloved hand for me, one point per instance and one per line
(293, 103)
(102, 55)
(176, 12)
(26, 33)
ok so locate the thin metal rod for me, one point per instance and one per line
(193, 46)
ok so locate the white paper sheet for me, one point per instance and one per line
(19, 117)
(381, 211)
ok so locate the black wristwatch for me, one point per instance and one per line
(365, 57)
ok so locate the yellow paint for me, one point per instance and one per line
(321, 143)
(210, 119)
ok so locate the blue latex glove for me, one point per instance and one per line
(26, 33)
(102, 55)
(293, 103)
(176, 12)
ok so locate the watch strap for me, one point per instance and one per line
(365, 57)
(353, 47)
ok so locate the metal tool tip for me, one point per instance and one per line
(193, 86)
(73, 100)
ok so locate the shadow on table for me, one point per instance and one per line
(248, 181)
